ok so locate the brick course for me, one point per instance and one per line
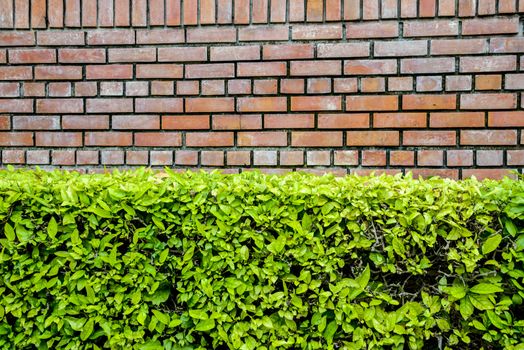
(433, 87)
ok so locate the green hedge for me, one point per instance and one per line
(250, 261)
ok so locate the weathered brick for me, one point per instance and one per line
(160, 71)
(316, 138)
(212, 158)
(109, 72)
(16, 73)
(109, 105)
(182, 54)
(17, 38)
(458, 46)
(210, 104)
(488, 137)
(441, 27)
(506, 45)
(430, 158)
(159, 105)
(60, 105)
(238, 157)
(401, 48)
(81, 55)
(428, 138)
(402, 158)
(85, 122)
(427, 65)
(58, 139)
(131, 55)
(429, 102)
(235, 53)
(113, 138)
(372, 103)
(217, 70)
(341, 50)
(209, 139)
(237, 122)
(261, 69)
(370, 67)
(26, 56)
(211, 35)
(16, 106)
(135, 121)
(262, 138)
(506, 119)
(318, 158)
(159, 36)
(459, 157)
(36, 122)
(488, 101)
(343, 121)
(288, 51)
(488, 64)
(490, 26)
(384, 29)
(372, 138)
(262, 104)
(457, 120)
(490, 158)
(60, 38)
(316, 103)
(158, 139)
(185, 122)
(373, 158)
(289, 121)
(316, 32)
(399, 120)
(10, 139)
(111, 37)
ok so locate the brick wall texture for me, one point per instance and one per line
(349, 86)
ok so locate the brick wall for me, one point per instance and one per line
(431, 86)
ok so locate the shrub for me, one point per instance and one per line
(250, 261)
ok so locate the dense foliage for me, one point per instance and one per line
(250, 261)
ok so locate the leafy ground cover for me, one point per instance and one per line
(252, 261)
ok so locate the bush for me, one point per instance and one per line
(250, 261)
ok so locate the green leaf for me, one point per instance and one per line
(87, 329)
(205, 325)
(9, 232)
(163, 318)
(486, 288)
(198, 314)
(151, 345)
(52, 228)
(491, 244)
(363, 279)
(330, 331)
(466, 308)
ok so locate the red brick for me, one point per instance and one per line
(265, 87)
(37, 157)
(458, 83)
(111, 88)
(185, 122)
(506, 45)
(213, 87)
(488, 137)
(343, 121)
(241, 11)
(62, 157)
(34, 89)
(316, 138)
(209, 139)
(59, 89)
(430, 158)
(459, 157)
(85, 122)
(182, 54)
(278, 11)
(408, 8)
(487, 7)
(86, 88)
(372, 103)
(60, 105)
(261, 69)
(385, 29)
(318, 85)
(36, 122)
(442, 27)
(238, 158)
(109, 105)
(10, 139)
(490, 158)
(60, 38)
(429, 102)
(58, 139)
(109, 72)
(488, 101)
(212, 158)
(370, 9)
(402, 158)
(482, 174)
(372, 138)
(211, 35)
(58, 73)
(373, 158)
(167, 71)
(317, 32)
(265, 158)
(135, 121)
(259, 11)
(459, 46)
(132, 55)
(113, 157)
(318, 158)
(457, 120)
(399, 120)
(158, 139)
(112, 138)
(351, 9)
(515, 157)
(87, 157)
(289, 121)
(32, 56)
(235, 53)
(3, 56)
(5, 122)
(488, 64)
(237, 122)
(506, 119)
(486, 26)
(323, 68)
(292, 86)
(488, 82)
(316, 103)
(343, 50)
(16, 106)
(9, 89)
(368, 67)
(111, 37)
(17, 38)
(186, 157)
(429, 83)
(344, 158)
(427, 173)
(262, 104)
(210, 104)
(13, 157)
(290, 158)
(507, 6)
(264, 33)
(428, 65)
(401, 48)
(159, 36)
(16, 73)
(514, 82)
(372, 84)
(137, 157)
(81, 55)
(429, 138)
(400, 84)
(159, 105)
(239, 86)
(288, 51)
(217, 70)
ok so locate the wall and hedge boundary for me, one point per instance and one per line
(250, 261)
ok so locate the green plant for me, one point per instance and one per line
(250, 261)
